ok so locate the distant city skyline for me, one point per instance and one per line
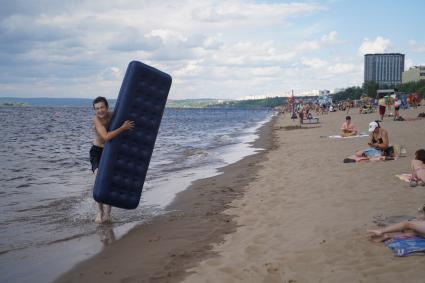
(213, 49)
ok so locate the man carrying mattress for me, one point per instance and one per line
(101, 122)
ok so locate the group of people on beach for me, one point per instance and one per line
(380, 148)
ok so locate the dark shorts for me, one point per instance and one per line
(95, 154)
(388, 152)
(381, 110)
(397, 108)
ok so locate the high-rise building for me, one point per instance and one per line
(384, 69)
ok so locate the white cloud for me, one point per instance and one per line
(379, 45)
(314, 63)
(212, 48)
(308, 46)
(408, 63)
(331, 38)
(328, 39)
(192, 68)
(341, 68)
(417, 47)
(265, 71)
(111, 74)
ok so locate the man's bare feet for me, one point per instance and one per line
(98, 218)
(374, 233)
(107, 218)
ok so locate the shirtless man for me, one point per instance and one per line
(348, 128)
(100, 122)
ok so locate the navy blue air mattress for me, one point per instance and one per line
(125, 159)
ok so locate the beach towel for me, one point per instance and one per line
(125, 159)
(360, 135)
(404, 177)
(354, 158)
(405, 246)
(413, 119)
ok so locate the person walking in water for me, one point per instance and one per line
(100, 125)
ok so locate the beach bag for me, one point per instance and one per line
(399, 150)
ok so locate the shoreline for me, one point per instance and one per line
(304, 218)
(161, 251)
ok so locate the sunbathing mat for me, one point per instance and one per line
(361, 135)
(404, 177)
(402, 246)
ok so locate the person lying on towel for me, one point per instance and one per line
(348, 128)
(378, 143)
(418, 169)
(405, 228)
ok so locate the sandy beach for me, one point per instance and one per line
(292, 213)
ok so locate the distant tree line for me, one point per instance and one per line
(371, 88)
(269, 102)
(413, 87)
(351, 93)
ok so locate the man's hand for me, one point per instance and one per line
(128, 125)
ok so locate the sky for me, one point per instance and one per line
(212, 49)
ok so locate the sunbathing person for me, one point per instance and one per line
(405, 228)
(418, 169)
(378, 143)
(348, 128)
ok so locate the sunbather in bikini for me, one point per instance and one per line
(418, 169)
(378, 142)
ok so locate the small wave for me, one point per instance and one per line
(191, 151)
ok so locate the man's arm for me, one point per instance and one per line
(107, 136)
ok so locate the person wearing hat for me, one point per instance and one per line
(379, 144)
(348, 128)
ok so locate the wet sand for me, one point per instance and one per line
(294, 213)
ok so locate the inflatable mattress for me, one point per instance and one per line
(125, 159)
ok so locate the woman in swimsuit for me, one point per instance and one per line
(418, 169)
(378, 142)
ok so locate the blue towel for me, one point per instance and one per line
(406, 246)
(125, 159)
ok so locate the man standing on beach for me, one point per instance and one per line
(382, 106)
(100, 124)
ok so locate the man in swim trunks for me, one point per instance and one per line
(100, 124)
(397, 104)
(348, 128)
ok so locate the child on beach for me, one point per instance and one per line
(418, 169)
(405, 228)
(100, 124)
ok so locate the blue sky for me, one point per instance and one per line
(213, 49)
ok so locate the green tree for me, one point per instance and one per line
(371, 88)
